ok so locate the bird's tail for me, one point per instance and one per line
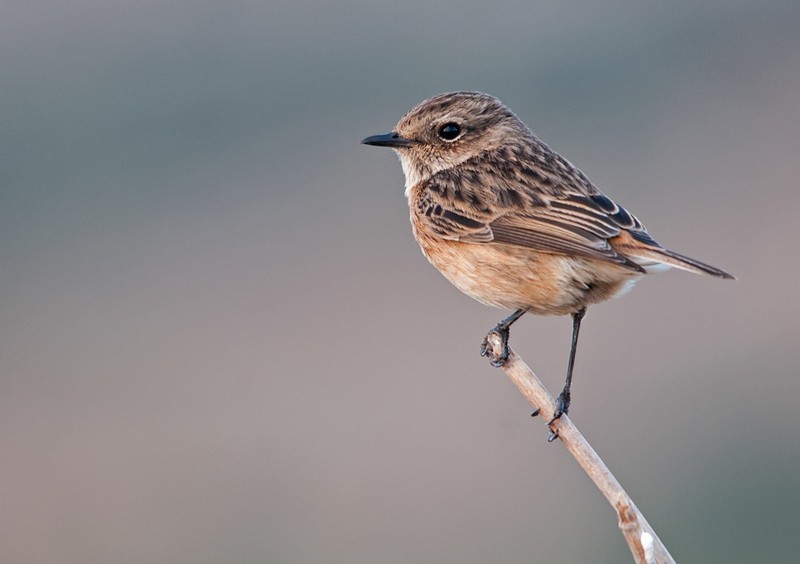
(655, 256)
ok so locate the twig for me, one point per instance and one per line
(643, 542)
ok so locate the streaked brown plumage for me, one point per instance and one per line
(510, 222)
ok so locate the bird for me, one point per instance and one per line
(513, 224)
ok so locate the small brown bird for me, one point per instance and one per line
(513, 224)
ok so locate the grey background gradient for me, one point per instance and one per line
(220, 343)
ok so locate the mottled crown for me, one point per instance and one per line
(482, 109)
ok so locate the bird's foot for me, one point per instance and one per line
(562, 407)
(496, 359)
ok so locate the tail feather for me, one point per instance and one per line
(660, 255)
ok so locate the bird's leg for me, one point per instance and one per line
(563, 399)
(502, 329)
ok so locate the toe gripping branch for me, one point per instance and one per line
(502, 330)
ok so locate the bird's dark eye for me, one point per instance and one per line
(449, 131)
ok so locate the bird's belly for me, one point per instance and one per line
(514, 277)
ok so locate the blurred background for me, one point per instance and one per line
(219, 341)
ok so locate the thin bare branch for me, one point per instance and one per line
(642, 540)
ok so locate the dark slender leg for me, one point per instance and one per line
(502, 330)
(563, 399)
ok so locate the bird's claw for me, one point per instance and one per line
(496, 359)
(562, 407)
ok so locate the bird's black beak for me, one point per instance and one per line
(390, 139)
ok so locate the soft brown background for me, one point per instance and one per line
(220, 343)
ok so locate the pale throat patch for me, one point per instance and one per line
(410, 172)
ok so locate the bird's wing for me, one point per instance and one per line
(573, 224)
(592, 225)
